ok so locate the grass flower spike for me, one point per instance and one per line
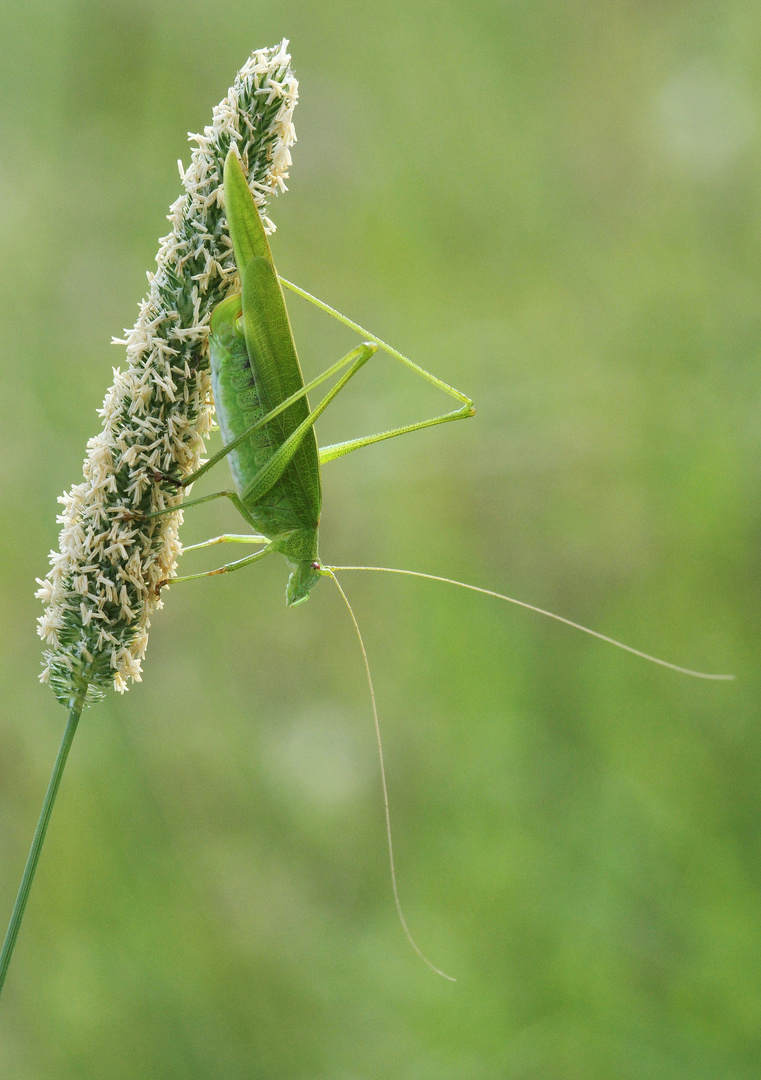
(100, 592)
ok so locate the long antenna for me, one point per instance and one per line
(541, 611)
(329, 570)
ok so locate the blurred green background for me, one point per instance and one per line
(556, 207)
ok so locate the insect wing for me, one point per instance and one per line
(243, 221)
(276, 368)
(269, 340)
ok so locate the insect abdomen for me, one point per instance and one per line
(239, 405)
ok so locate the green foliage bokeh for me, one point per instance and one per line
(557, 208)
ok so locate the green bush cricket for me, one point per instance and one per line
(268, 431)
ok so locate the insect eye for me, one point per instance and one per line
(315, 566)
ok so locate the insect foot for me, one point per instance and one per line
(164, 478)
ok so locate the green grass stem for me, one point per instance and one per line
(39, 838)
